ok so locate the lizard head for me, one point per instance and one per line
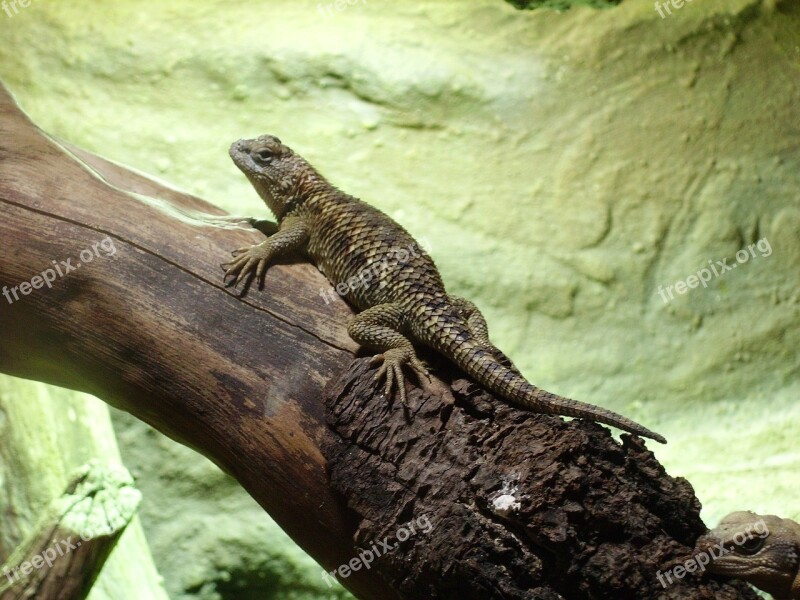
(276, 172)
(761, 549)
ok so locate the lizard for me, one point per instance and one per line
(405, 303)
(761, 549)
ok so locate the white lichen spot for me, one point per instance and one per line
(505, 504)
(72, 415)
(506, 500)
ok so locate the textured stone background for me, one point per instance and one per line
(559, 166)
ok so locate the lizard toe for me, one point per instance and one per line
(391, 367)
(247, 269)
(381, 372)
(420, 368)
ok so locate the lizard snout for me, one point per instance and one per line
(239, 147)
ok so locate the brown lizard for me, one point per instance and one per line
(761, 549)
(403, 299)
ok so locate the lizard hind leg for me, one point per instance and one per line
(379, 328)
(476, 323)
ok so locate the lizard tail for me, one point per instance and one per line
(478, 362)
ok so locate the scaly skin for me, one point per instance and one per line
(398, 289)
(761, 549)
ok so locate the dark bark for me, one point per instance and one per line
(520, 505)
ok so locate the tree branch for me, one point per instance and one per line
(63, 556)
(150, 328)
(502, 504)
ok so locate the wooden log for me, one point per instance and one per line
(146, 323)
(65, 553)
(463, 496)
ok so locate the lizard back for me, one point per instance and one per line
(351, 241)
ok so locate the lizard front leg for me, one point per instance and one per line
(379, 328)
(292, 235)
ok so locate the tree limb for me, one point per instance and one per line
(151, 329)
(63, 556)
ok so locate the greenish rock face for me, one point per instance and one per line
(564, 170)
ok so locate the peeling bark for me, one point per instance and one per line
(521, 505)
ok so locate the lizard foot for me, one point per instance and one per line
(392, 362)
(245, 260)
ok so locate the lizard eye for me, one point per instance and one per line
(752, 545)
(264, 155)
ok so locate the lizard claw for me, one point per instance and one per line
(391, 367)
(245, 261)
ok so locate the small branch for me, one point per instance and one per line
(65, 553)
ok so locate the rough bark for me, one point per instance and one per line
(65, 553)
(152, 330)
(519, 505)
